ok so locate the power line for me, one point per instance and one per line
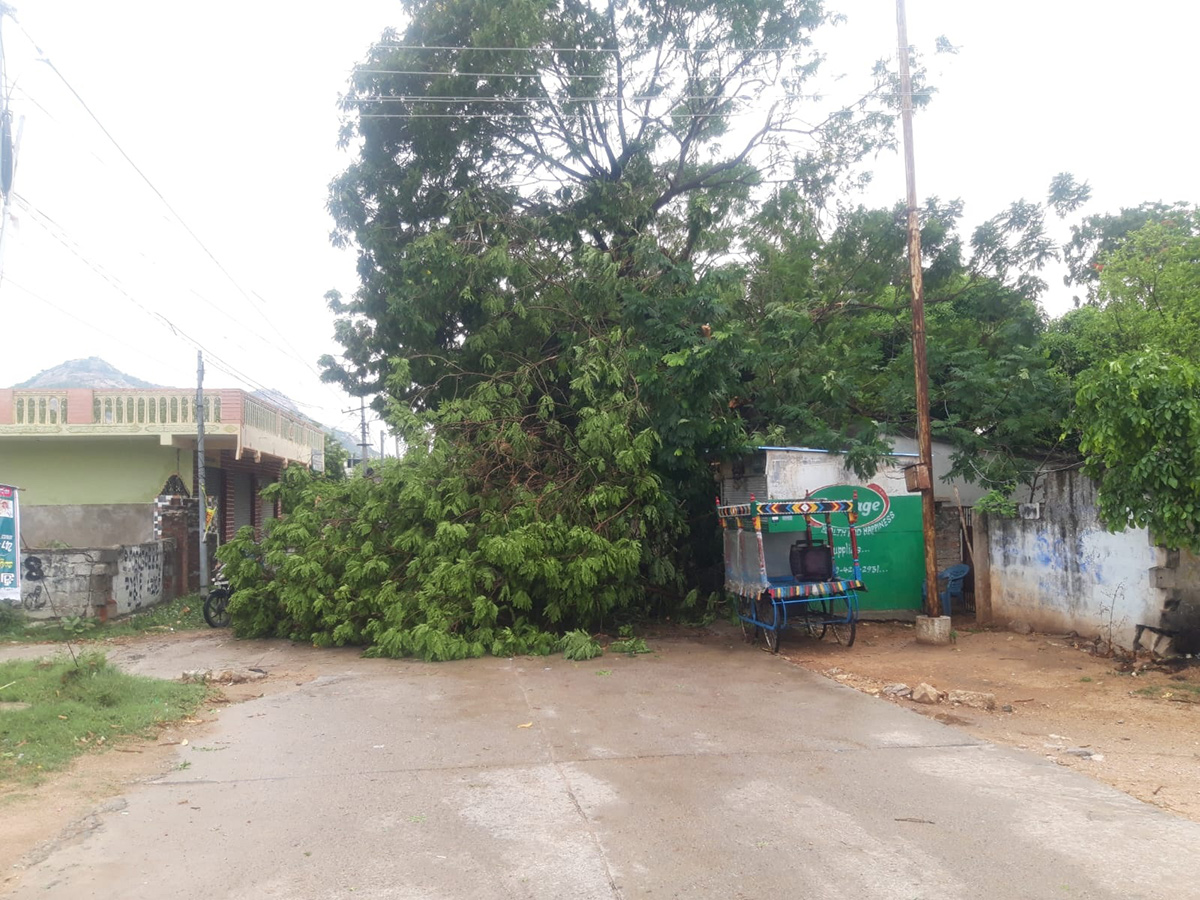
(384, 45)
(454, 74)
(636, 98)
(242, 326)
(93, 327)
(116, 284)
(42, 219)
(46, 59)
(435, 98)
(568, 117)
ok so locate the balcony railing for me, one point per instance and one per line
(156, 411)
(152, 408)
(39, 409)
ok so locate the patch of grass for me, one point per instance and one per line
(75, 709)
(1168, 690)
(181, 614)
(1086, 678)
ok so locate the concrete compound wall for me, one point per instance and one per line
(1060, 570)
(90, 582)
(91, 525)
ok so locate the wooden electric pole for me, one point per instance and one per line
(924, 475)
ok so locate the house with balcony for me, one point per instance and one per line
(94, 464)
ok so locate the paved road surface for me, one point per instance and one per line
(709, 770)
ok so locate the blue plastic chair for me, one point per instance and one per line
(953, 578)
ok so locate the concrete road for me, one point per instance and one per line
(707, 770)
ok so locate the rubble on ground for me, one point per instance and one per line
(222, 676)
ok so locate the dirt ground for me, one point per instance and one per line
(1133, 725)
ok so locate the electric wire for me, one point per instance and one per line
(244, 327)
(790, 51)
(50, 225)
(637, 98)
(216, 361)
(91, 326)
(46, 59)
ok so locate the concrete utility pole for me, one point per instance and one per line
(9, 148)
(200, 492)
(932, 628)
(364, 445)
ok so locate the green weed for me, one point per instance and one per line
(181, 614)
(630, 645)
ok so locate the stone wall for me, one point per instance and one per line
(102, 582)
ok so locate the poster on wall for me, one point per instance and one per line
(10, 545)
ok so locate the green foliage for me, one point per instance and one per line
(579, 645)
(1132, 353)
(830, 361)
(996, 503)
(549, 311)
(570, 309)
(335, 459)
(505, 522)
(1097, 236)
(1139, 418)
(77, 626)
(631, 645)
(79, 707)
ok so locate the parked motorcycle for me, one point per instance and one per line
(216, 604)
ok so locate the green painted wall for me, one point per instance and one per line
(57, 471)
(890, 547)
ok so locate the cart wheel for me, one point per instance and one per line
(750, 631)
(843, 630)
(768, 614)
(815, 614)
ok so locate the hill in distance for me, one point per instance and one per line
(92, 372)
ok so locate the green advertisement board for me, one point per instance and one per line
(890, 544)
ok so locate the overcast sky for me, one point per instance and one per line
(230, 110)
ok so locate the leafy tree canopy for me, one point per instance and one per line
(1140, 420)
(1133, 354)
(601, 246)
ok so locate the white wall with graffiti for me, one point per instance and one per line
(63, 583)
(139, 577)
